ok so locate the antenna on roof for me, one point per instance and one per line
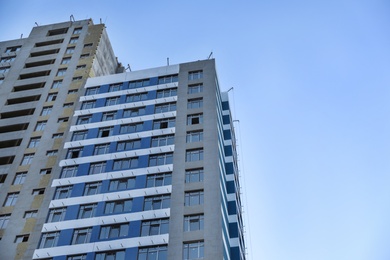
(100, 20)
(36, 24)
(72, 18)
(229, 89)
(211, 54)
(128, 67)
(167, 61)
(21, 36)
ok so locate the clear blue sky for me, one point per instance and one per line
(311, 90)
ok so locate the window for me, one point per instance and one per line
(81, 120)
(167, 79)
(88, 45)
(156, 252)
(128, 145)
(155, 227)
(20, 178)
(2, 179)
(21, 238)
(160, 179)
(58, 135)
(114, 231)
(73, 91)
(194, 175)
(122, 184)
(56, 84)
(52, 153)
(38, 191)
(101, 149)
(111, 255)
(92, 91)
(45, 171)
(194, 222)
(80, 67)
(7, 59)
(193, 198)
(77, 257)
(77, 30)
(157, 202)
(118, 206)
(74, 153)
(81, 236)
(134, 112)
(108, 116)
(194, 155)
(27, 159)
(46, 111)
(11, 199)
(112, 101)
(62, 120)
(51, 97)
(195, 119)
(84, 56)
(63, 192)
(57, 31)
(193, 250)
(66, 105)
(56, 214)
(105, 131)
(162, 108)
(92, 188)
(124, 164)
(195, 75)
(131, 128)
(77, 78)
(73, 40)
(192, 89)
(139, 83)
(88, 104)
(96, 168)
(61, 72)
(13, 49)
(4, 219)
(66, 60)
(162, 140)
(79, 135)
(194, 136)
(40, 126)
(195, 103)
(4, 70)
(160, 159)
(136, 97)
(69, 50)
(34, 142)
(49, 239)
(115, 87)
(31, 214)
(164, 123)
(87, 211)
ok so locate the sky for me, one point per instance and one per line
(311, 92)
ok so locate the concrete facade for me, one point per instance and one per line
(37, 100)
(135, 165)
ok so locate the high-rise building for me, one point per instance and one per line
(41, 78)
(146, 167)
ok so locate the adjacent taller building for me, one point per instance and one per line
(141, 165)
(41, 79)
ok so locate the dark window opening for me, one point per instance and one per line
(23, 100)
(42, 53)
(57, 31)
(18, 113)
(10, 143)
(6, 160)
(39, 63)
(13, 128)
(34, 74)
(40, 44)
(29, 86)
